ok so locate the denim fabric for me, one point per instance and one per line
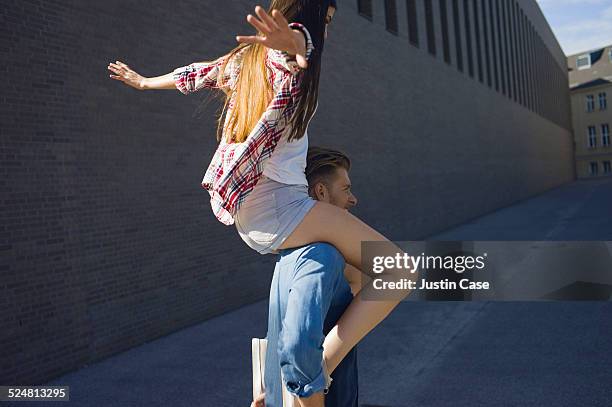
(308, 295)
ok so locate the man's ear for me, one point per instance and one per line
(320, 191)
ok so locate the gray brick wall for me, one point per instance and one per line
(107, 238)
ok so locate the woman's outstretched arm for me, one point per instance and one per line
(186, 79)
(132, 78)
(159, 82)
(191, 78)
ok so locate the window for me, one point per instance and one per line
(478, 42)
(513, 57)
(505, 48)
(594, 168)
(429, 22)
(590, 103)
(606, 165)
(457, 35)
(592, 137)
(527, 56)
(413, 28)
(364, 7)
(391, 16)
(468, 36)
(583, 61)
(444, 24)
(520, 52)
(494, 42)
(610, 54)
(485, 29)
(605, 135)
(535, 56)
(603, 103)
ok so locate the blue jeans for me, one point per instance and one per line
(308, 295)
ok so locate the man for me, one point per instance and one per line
(311, 287)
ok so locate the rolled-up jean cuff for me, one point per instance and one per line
(307, 389)
(320, 383)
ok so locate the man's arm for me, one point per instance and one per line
(315, 400)
(318, 271)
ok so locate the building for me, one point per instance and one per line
(590, 75)
(449, 110)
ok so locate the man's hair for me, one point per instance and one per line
(321, 165)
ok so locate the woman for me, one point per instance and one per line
(256, 178)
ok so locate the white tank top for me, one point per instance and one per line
(287, 163)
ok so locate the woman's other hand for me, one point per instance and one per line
(126, 75)
(276, 34)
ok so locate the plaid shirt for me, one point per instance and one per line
(236, 167)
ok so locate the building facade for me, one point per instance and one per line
(590, 75)
(449, 110)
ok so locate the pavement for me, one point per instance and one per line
(481, 353)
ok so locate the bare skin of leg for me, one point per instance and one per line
(355, 278)
(328, 223)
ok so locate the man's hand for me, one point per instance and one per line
(259, 401)
(276, 35)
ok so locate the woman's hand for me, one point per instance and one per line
(276, 34)
(126, 75)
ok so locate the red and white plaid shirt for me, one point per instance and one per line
(236, 167)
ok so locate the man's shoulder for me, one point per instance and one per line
(321, 252)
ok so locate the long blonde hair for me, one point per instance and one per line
(249, 102)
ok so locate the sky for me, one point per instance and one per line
(579, 25)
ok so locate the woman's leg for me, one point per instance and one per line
(355, 278)
(328, 223)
